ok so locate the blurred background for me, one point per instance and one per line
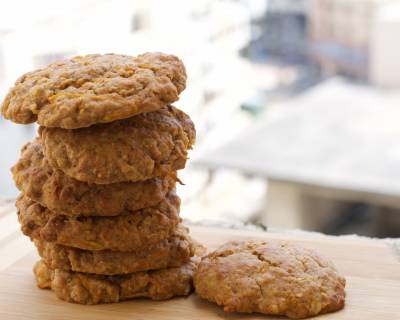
(296, 103)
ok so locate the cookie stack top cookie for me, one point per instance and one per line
(93, 89)
(98, 183)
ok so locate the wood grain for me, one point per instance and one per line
(372, 271)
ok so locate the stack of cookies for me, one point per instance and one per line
(98, 183)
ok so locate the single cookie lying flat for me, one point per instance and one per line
(92, 89)
(139, 148)
(271, 277)
(88, 288)
(58, 192)
(172, 252)
(127, 232)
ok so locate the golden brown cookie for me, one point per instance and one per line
(271, 277)
(126, 232)
(88, 288)
(172, 252)
(139, 148)
(53, 189)
(87, 90)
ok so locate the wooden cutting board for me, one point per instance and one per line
(370, 266)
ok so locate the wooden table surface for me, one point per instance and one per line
(371, 267)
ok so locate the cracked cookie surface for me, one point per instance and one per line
(87, 288)
(172, 252)
(149, 145)
(271, 277)
(87, 90)
(127, 232)
(53, 189)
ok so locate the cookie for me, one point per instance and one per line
(172, 252)
(58, 192)
(271, 277)
(87, 90)
(139, 148)
(85, 288)
(127, 232)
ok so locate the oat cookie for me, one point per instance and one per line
(87, 288)
(172, 252)
(87, 90)
(127, 232)
(34, 176)
(139, 148)
(271, 277)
